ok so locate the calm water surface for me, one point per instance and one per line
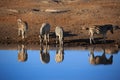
(75, 66)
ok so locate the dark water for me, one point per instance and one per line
(74, 66)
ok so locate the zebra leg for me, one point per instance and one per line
(104, 38)
(19, 48)
(40, 38)
(60, 41)
(45, 38)
(48, 37)
(110, 59)
(91, 37)
(23, 34)
(56, 39)
(19, 32)
(90, 40)
(41, 46)
(93, 40)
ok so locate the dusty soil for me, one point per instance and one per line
(76, 16)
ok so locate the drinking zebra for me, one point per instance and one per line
(44, 32)
(22, 28)
(59, 34)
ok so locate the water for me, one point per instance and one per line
(74, 66)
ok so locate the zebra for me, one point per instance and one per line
(22, 53)
(59, 34)
(99, 59)
(22, 28)
(97, 29)
(44, 54)
(59, 54)
(44, 32)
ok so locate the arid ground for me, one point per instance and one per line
(73, 15)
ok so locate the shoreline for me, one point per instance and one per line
(53, 47)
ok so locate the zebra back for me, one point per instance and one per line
(103, 29)
(59, 31)
(45, 28)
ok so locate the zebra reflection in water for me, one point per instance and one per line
(59, 57)
(96, 60)
(22, 53)
(44, 53)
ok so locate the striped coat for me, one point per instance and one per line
(60, 34)
(97, 29)
(44, 32)
(22, 28)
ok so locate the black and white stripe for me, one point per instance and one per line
(44, 32)
(60, 34)
(98, 29)
(22, 28)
